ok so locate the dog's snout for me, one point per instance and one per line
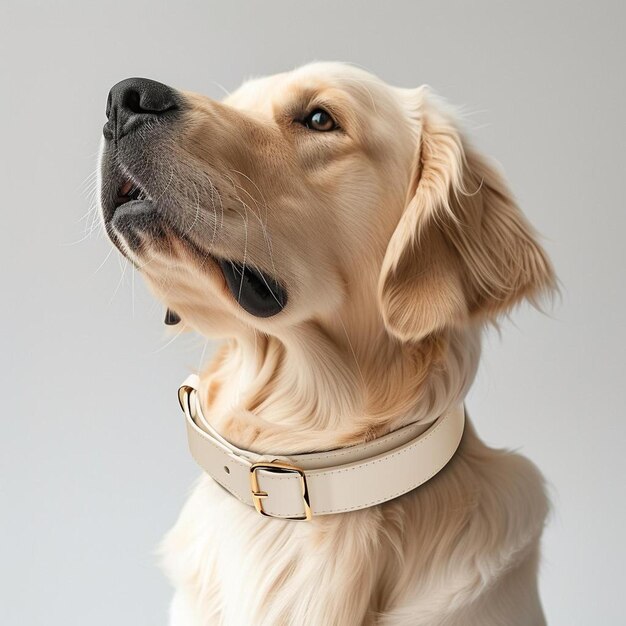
(136, 101)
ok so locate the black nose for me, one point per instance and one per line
(134, 102)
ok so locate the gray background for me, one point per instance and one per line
(93, 459)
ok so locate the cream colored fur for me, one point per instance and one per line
(397, 243)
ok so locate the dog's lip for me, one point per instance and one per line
(134, 206)
(133, 217)
(257, 292)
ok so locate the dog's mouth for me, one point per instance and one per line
(135, 216)
(128, 191)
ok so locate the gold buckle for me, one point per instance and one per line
(279, 468)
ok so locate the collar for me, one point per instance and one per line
(302, 486)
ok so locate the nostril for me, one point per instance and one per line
(131, 100)
(147, 96)
(156, 100)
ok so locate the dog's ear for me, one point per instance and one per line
(462, 249)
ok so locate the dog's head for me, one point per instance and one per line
(315, 195)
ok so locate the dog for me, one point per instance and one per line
(349, 246)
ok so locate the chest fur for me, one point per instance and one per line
(438, 547)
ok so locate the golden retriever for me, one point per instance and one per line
(349, 245)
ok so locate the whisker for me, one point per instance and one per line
(270, 289)
(201, 360)
(119, 282)
(106, 258)
(356, 361)
(263, 225)
(176, 336)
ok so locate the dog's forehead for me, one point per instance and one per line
(258, 94)
(263, 94)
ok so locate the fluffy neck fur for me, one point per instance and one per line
(319, 388)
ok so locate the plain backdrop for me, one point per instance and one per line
(93, 457)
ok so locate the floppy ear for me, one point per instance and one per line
(462, 249)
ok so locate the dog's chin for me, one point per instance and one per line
(135, 219)
(136, 228)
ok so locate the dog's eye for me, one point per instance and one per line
(320, 120)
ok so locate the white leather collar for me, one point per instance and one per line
(301, 486)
